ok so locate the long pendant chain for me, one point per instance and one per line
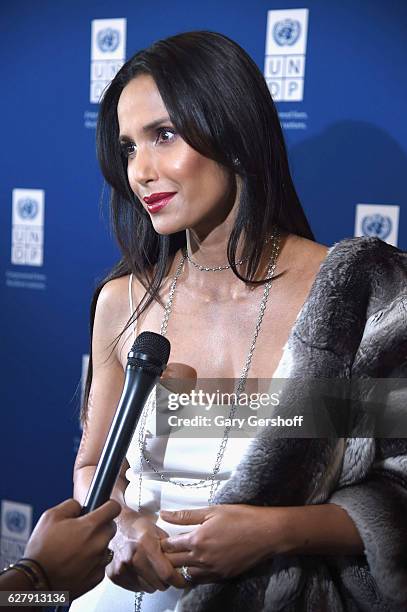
(210, 480)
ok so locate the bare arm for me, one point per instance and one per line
(324, 529)
(107, 384)
(138, 563)
(75, 563)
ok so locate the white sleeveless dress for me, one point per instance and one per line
(185, 459)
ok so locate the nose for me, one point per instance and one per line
(142, 168)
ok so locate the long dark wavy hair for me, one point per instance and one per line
(220, 104)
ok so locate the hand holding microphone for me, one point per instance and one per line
(70, 543)
(66, 552)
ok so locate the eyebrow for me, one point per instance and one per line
(148, 127)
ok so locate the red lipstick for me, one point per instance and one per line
(157, 201)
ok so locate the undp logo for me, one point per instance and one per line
(108, 40)
(287, 32)
(27, 208)
(15, 521)
(377, 225)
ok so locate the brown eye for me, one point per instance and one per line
(128, 149)
(165, 135)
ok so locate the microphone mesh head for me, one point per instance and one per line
(155, 346)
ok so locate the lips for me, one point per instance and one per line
(157, 201)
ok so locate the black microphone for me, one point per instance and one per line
(146, 362)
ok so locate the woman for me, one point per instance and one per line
(209, 223)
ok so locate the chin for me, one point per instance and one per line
(167, 227)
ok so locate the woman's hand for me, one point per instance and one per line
(72, 548)
(139, 563)
(228, 540)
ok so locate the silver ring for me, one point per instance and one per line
(185, 574)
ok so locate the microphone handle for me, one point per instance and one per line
(137, 387)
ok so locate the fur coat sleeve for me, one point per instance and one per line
(353, 325)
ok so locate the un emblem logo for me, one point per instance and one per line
(376, 225)
(16, 521)
(108, 40)
(27, 208)
(287, 32)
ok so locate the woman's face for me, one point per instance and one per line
(188, 189)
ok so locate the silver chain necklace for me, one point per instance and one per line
(219, 268)
(210, 480)
(214, 269)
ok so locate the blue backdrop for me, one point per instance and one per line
(347, 141)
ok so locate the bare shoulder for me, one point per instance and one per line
(300, 262)
(113, 298)
(113, 312)
(113, 307)
(313, 249)
(303, 254)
